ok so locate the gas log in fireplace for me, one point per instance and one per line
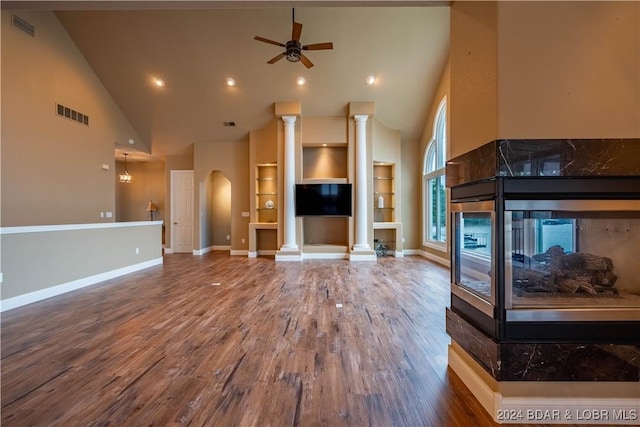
(546, 241)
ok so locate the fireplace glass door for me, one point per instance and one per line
(474, 249)
(565, 254)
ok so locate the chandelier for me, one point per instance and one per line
(125, 176)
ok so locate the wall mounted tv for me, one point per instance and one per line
(323, 199)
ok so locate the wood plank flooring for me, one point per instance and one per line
(266, 347)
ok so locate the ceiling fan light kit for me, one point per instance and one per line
(293, 48)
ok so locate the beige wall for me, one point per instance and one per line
(568, 69)
(232, 160)
(473, 57)
(410, 175)
(33, 262)
(442, 91)
(216, 220)
(58, 161)
(543, 70)
(147, 185)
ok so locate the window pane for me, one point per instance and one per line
(437, 209)
(430, 161)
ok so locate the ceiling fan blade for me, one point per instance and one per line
(276, 58)
(297, 30)
(318, 46)
(262, 39)
(306, 61)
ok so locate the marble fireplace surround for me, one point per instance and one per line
(535, 157)
(546, 361)
(547, 382)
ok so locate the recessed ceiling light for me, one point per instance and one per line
(371, 80)
(301, 81)
(131, 141)
(231, 81)
(159, 82)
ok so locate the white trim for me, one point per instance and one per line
(270, 252)
(437, 246)
(478, 387)
(31, 297)
(325, 255)
(211, 248)
(68, 227)
(202, 251)
(283, 256)
(411, 252)
(239, 252)
(443, 261)
(168, 250)
(252, 254)
(362, 256)
(545, 410)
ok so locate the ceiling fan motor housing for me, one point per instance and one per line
(294, 49)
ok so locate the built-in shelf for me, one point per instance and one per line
(383, 192)
(266, 187)
(388, 234)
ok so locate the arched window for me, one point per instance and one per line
(433, 182)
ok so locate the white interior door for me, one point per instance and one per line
(182, 211)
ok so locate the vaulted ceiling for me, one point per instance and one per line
(195, 48)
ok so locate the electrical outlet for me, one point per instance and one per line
(228, 237)
(137, 251)
(242, 240)
(101, 214)
(109, 214)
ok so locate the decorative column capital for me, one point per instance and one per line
(360, 118)
(289, 119)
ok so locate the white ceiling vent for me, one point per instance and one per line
(23, 25)
(70, 114)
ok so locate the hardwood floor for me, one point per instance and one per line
(268, 346)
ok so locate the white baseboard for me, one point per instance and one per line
(560, 409)
(442, 261)
(168, 250)
(283, 256)
(363, 256)
(412, 252)
(239, 252)
(211, 248)
(202, 251)
(31, 297)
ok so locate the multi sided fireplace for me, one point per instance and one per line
(546, 240)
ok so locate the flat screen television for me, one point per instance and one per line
(323, 199)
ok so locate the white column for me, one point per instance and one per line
(361, 183)
(289, 228)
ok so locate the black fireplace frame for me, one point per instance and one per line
(500, 189)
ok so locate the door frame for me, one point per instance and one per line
(175, 172)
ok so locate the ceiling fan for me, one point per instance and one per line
(293, 48)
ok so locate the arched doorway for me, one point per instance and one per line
(215, 212)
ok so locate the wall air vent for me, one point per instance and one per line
(70, 114)
(230, 124)
(23, 25)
